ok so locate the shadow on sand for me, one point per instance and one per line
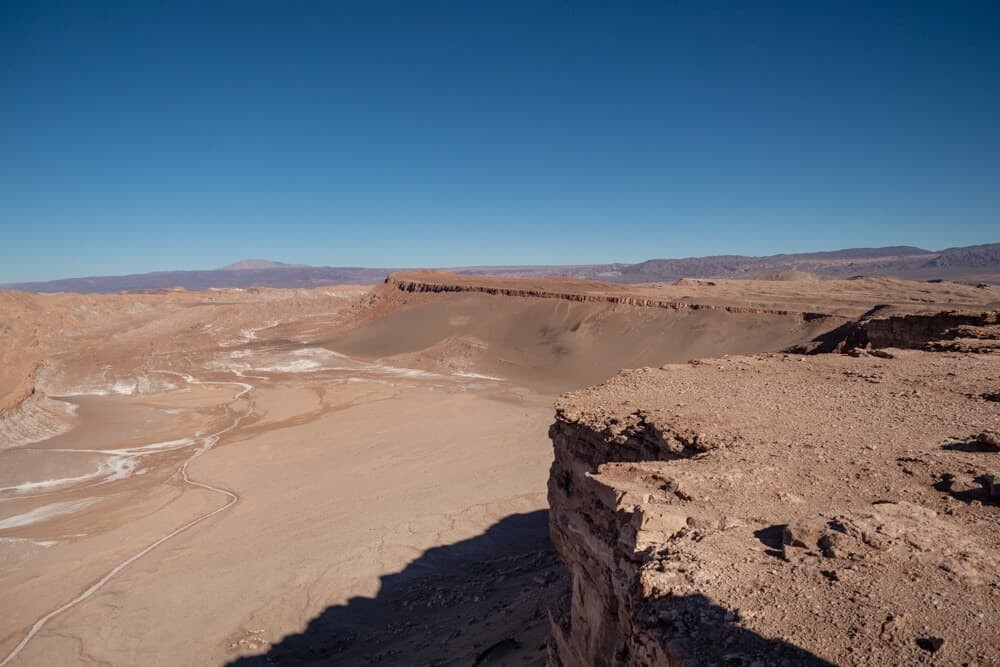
(481, 601)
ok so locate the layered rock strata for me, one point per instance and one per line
(427, 286)
(960, 331)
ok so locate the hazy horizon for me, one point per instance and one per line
(296, 264)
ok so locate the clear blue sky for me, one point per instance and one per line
(139, 136)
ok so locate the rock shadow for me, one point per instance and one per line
(972, 446)
(772, 537)
(706, 634)
(486, 601)
(480, 601)
(968, 488)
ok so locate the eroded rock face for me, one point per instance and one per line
(951, 331)
(605, 533)
(780, 509)
(428, 286)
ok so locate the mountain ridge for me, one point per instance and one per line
(976, 263)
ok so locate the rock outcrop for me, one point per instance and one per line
(604, 534)
(960, 331)
(780, 509)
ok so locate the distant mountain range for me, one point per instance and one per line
(283, 275)
(971, 263)
(246, 264)
(981, 262)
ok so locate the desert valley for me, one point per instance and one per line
(405, 334)
(800, 470)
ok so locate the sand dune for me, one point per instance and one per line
(555, 345)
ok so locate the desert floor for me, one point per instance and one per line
(296, 476)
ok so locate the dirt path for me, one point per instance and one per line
(207, 442)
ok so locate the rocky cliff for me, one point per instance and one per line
(968, 331)
(602, 533)
(780, 509)
(403, 283)
(20, 351)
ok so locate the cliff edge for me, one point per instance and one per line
(781, 509)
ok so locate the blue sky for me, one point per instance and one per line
(140, 136)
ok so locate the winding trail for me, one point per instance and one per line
(207, 442)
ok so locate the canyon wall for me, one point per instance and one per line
(956, 330)
(405, 284)
(603, 534)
